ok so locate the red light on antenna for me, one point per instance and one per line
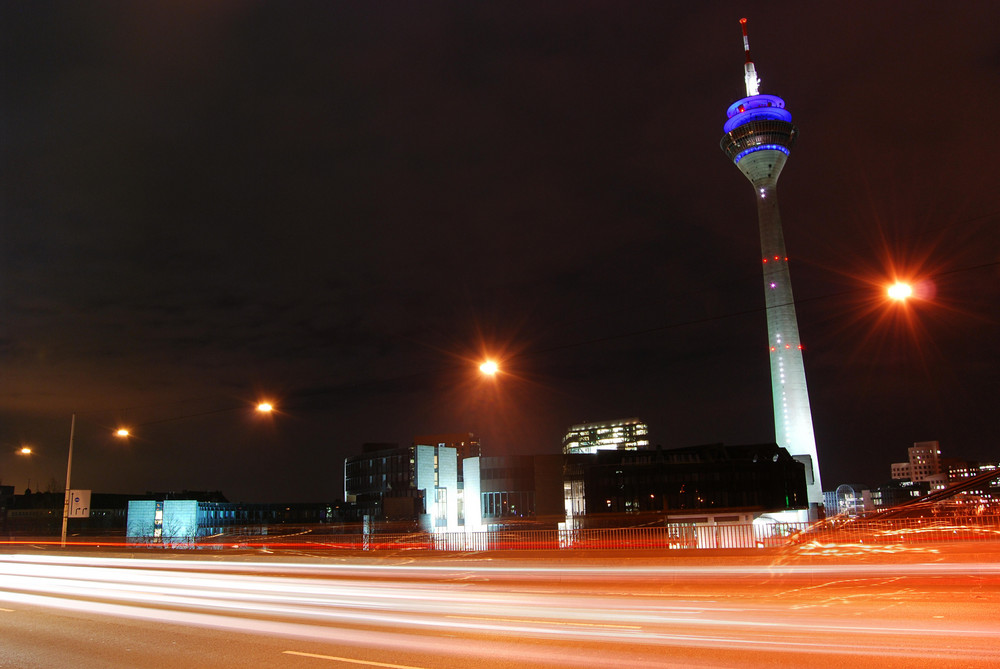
(743, 21)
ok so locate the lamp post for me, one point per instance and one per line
(69, 469)
(121, 432)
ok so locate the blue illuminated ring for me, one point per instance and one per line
(761, 147)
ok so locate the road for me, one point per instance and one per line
(812, 607)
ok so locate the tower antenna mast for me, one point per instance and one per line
(750, 72)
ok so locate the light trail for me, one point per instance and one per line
(334, 658)
(398, 606)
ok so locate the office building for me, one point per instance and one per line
(923, 464)
(416, 484)
(625, 434)
(694, 484)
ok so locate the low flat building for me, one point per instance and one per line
(628, 488)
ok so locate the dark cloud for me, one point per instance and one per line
(344, 206)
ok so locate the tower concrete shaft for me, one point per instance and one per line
(759, 136)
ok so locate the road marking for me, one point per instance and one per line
(347, 659)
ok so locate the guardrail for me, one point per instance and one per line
(904, 530)
(664, 537)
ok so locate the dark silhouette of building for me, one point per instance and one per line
(639, 487)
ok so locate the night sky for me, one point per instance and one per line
(341, 207)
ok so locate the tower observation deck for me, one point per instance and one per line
(759, 136)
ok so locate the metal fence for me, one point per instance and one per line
(904, 530)
(675, 536)
(665, 537)
(896, 531)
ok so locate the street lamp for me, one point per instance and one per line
(25, 450)
(900, 291)
(265, 407)
(120, 432)
(489, 368)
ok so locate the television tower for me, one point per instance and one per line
(759, 135)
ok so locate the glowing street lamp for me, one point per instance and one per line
(900, 291)
(25, 450)
(121, 433)
(489, 368)
(265, 407)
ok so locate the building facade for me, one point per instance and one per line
(622, 488)
(513, 491)
(625, 434)
(850, 499)
(416, 484)
(924, 463)
(606, 487)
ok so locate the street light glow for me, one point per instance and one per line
(900, 291)
(122, 432)
(25, 450)
(489, 368)
(265, 407)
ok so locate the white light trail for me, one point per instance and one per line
(379, 605)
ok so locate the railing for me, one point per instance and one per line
(665, 537)
(896, 532)
(904, 530)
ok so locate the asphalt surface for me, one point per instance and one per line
(805, 607)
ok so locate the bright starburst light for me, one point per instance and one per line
(900, 291)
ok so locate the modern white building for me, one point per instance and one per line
(418, 482)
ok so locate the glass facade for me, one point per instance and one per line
(626, 434)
